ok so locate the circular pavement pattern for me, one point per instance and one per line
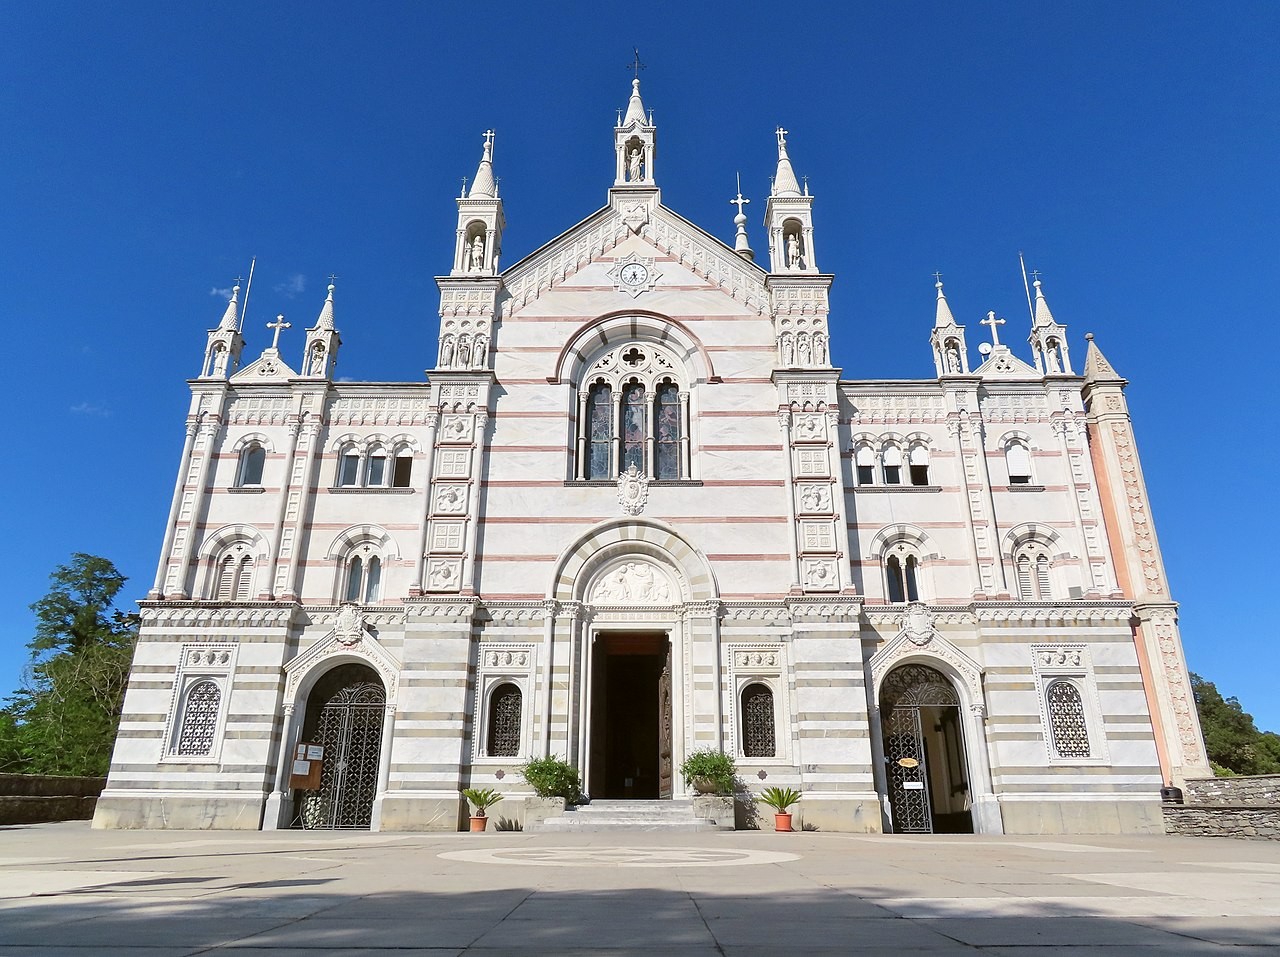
(619, 856)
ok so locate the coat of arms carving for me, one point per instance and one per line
(633, 490)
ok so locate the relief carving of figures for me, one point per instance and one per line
(633, 490)
(803, 349)
(819, 349)
(464, 350)
(809, 427)
(443, 576)
(446, 351)
(819, 575)
(637, 582)
(451, 499)
(815, 498)
(481, 351)
(788, 349)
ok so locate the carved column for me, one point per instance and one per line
(193, 505)
(278, 801)
(157, 589)
(310, 436)
(784, 423)
(615, 446)
(420, 556)
(277, 529)
(651, 463)
(473, 502)
(584, 436)
(685, 459)
(549, 609)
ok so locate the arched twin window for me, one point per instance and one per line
(902, 574)
(894, 467)
(1068, 730)
(364, 579)
(1032, 569)
(199, 719)
(633, 413)
(235, 577)
(253, 460)
(759, 739)
(506, 705)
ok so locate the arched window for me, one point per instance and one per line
(505, 707)
(402, 472)
(634, 426)
(1067, 728)
(1018, 459)
(891, 459)
(375, 468)
(349, 468)
(758, 737)
(865, 459)
(199, 719)
(253, 459)
(667, 430)
(902, 572)
(919, 462)
(364, 579)
(235, 578)
(1032, 567)
(600, 434)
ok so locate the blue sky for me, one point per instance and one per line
(150, 149)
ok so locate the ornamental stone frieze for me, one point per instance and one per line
(773, 614)
(431, 607)
(189, 615)
(829, 610)
(510, 614)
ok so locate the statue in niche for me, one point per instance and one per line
(219, 360)
(1051, 356)
(316, 366)
(788, 350)
(446, 352)
(464, 350)
(635, 165)
(477, 253)
(793, 250)
(953, 357)
(802, 347)
(819, 349)
(481, 351)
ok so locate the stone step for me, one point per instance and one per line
(620, 815)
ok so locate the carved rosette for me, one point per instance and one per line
(633, 491)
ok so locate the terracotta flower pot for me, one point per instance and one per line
(782, 821)
(478, 824)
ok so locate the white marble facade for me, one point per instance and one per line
(634, 455)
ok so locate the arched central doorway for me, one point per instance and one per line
(925, 770)
(345, 713)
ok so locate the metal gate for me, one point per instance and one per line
(905, 691)
(350, 731)
(665, 770)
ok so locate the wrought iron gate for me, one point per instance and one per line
(905, 691)
(350, 731)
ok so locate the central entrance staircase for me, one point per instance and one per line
(620, 815)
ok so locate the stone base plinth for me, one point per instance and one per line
(716, 809)
(1082, 817)
(401, 812)
(194, 812)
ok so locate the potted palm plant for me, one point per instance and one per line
(481, 799)
(780, 799)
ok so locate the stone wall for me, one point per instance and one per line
(37, 798)
(1244, 807)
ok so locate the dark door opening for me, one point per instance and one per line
(631, 716)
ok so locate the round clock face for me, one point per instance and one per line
(634, 274)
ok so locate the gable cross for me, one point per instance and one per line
(739, 202)
(937, 277)
(993, 322)
(636, 66)
(277, 326)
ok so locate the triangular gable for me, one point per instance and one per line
(350, 639)
(666, 231)
(1003, 364)
(268, 367)
(919, 641)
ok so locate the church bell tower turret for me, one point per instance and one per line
(322, 342)
(222, 352)
(635, 143)
(789, 218)
(1048, 339)
(480, 221)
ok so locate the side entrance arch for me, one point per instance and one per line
(344, 715)
(926, 768)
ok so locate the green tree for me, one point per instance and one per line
(64, 718)
(1234, 743)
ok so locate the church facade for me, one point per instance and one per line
(635, 511)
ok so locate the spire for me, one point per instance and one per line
(784, 182)
(484, 184)
(1043, 316)
(1096, 366)
(324, 322)
(740, 244)
(231, 318)
(944, 318)
(635, 108)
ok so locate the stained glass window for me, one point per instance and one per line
(600, 421)
(758, 739)
(504, 722)
(668, 431)
(633, 432)
(1067, 726)
(199, 719)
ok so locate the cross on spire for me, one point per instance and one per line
(636, 66)
(1035, 275)
(739, 202)
(782, 136)
(937, 276)
(277, 326)
(332, 278)
(993, 322)
(238, 281)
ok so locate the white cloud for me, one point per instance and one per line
(222, 292)
(88, 408)
(292, 286)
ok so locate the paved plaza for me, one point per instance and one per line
(66, 889)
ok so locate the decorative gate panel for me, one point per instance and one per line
(905, 691)
(350, 731)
